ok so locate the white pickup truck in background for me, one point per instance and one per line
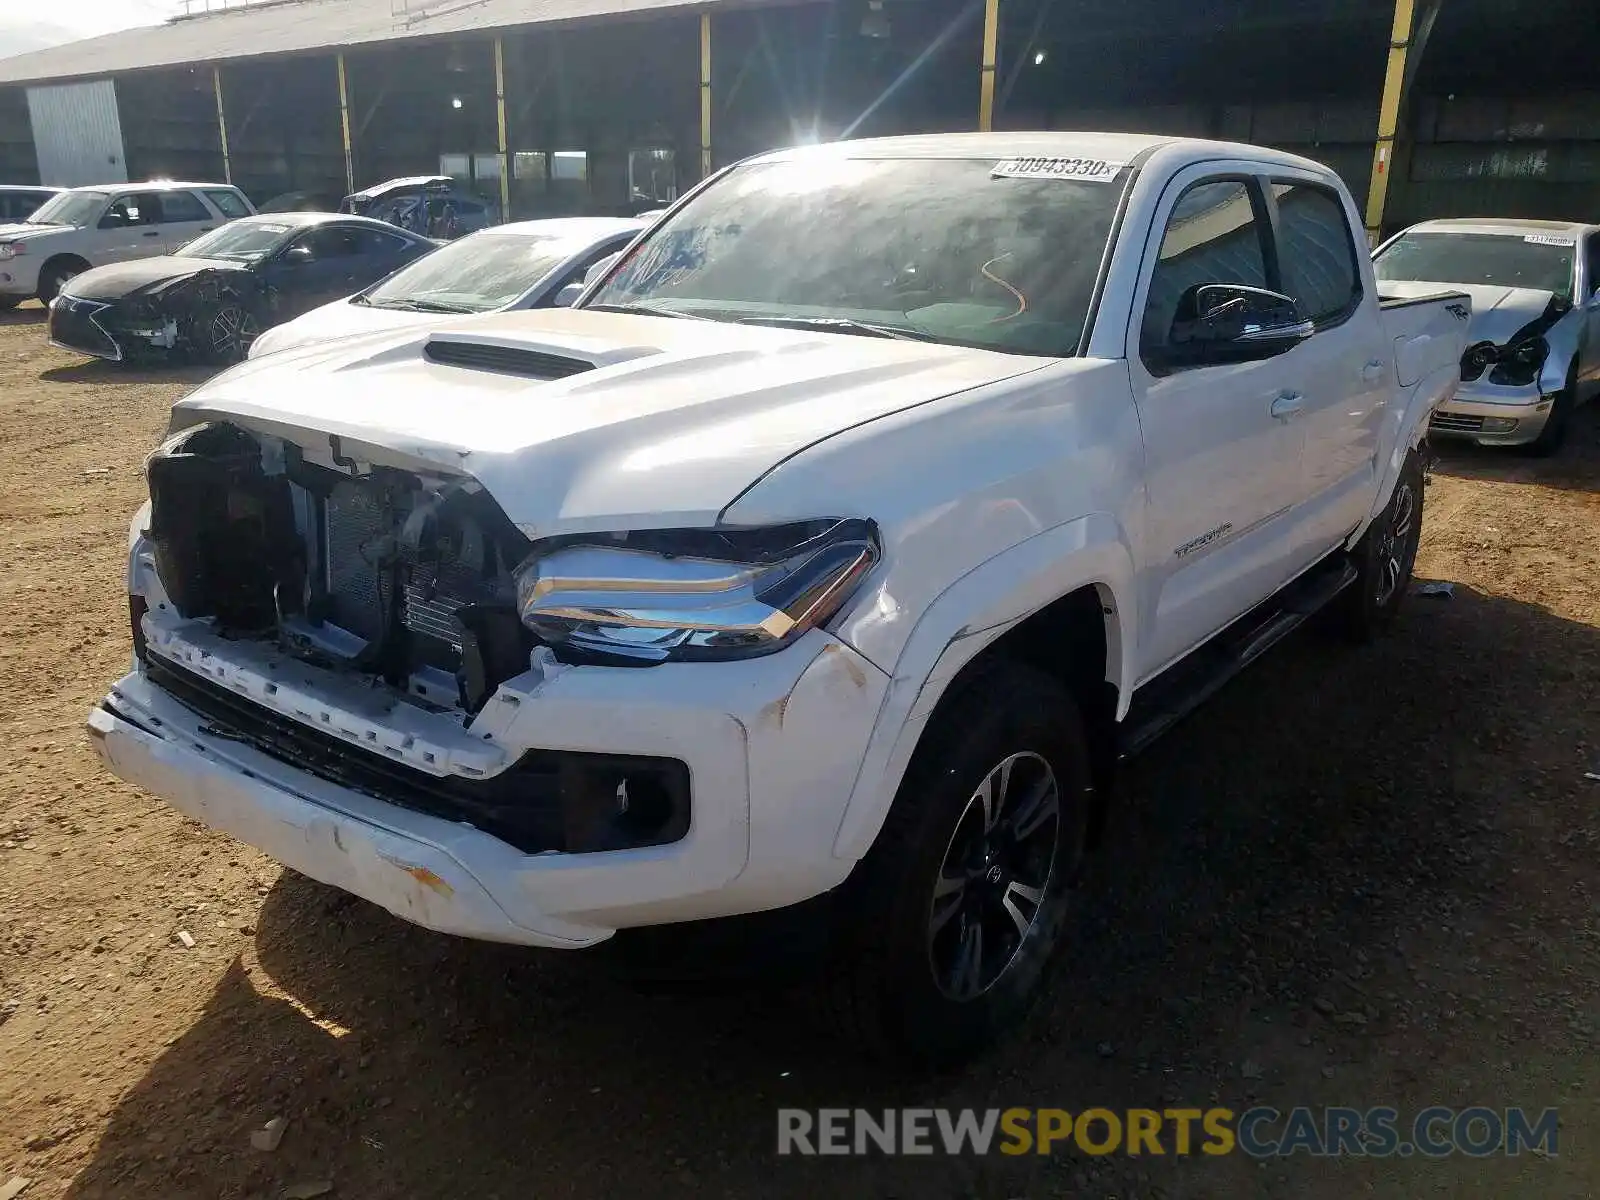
(836, 545)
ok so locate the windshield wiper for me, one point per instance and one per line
(649, 310)
(843, 325)
(433, 306)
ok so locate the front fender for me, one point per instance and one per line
(972, 614)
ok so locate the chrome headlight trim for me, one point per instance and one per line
(694, 594)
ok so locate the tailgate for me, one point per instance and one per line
(1428, 333)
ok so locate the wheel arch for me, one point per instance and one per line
(1063, 600)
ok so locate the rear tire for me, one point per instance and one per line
(1385, 558)
(1554, 434)
(949, 922)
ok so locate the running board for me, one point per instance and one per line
(1185, 686)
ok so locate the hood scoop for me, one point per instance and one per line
(504, 360)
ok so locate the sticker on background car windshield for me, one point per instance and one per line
(1092, 170)
(1549, 239)
(275, 228)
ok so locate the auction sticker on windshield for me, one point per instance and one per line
(1092, 170)
(1546, 239)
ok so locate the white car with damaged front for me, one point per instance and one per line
(831, 548)
(1533, 346)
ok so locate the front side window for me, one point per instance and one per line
(1315, 252)
(949, 250)
(182, 206)
(1537, 260)
(1214, 235)
(141, 208)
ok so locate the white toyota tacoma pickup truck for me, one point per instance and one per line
(836, 544)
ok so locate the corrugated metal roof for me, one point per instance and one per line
(290, 26)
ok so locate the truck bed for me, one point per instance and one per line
(1428, 334)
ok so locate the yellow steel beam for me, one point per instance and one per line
(991, 41)
(500, 114)
(1389, 116)
(344, 122)
(705, 94)
(222, 125)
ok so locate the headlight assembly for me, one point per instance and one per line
(1521, 363)
(694, 594)
(10, 250)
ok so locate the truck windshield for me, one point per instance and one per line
(947, 250)
(70, 208)
(1543, 262)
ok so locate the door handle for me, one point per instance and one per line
(1372, 372)
(151, 233)
(1290, 404)
(207, 228)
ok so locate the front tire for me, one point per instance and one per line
(227, 332)
(1385, 557)
(952, 917)
(55, 275)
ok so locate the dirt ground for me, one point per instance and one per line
(1402, 834)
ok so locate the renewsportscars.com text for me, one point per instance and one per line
(1262, 1132)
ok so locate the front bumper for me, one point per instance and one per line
(1492, 415)
(19, 277)
(79, 326)
(772, 745)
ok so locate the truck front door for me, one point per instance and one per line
(1221, 459)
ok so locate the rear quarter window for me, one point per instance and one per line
(1316, 251)
(229, 203)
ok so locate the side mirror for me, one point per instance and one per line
(297, 256)
(1218, 323)
(567, 296)
(113, 220)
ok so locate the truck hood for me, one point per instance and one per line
(676, 418)
(117, 280)
(1498, 313)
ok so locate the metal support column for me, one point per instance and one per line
(344, 122)
(1389, 116)
(222, 125)
(705, 95)
(991, 42)
(500, 114)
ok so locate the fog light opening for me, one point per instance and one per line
(1499, 424)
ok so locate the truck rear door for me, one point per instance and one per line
(1342, 374)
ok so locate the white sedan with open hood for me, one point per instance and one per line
(1533, 348)
(831, 549)
(524, 265)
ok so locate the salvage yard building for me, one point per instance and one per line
(546, 107)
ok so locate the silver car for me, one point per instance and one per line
(1533, 350)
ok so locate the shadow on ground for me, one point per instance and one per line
(1329, 831)
(97, 370)
(27, 314)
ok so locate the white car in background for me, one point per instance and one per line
(93, 226)
(507, 267)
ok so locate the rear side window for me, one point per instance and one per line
(229, 204)
(182, 206)
(1214, 235)
(375, 241)
(1316, 252)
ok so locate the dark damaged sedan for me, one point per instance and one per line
(208, 302)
